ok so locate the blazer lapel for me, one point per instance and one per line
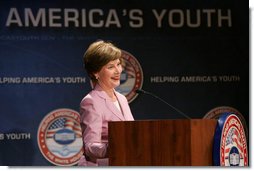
(122, 104)
(114, 109)
(109, 103)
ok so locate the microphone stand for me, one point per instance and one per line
(155, 96)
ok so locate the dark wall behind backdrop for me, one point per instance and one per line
(194, 55)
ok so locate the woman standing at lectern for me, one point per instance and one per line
(103, 63)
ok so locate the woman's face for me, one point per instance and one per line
(109, 75)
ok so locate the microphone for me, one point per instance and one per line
(140, 91)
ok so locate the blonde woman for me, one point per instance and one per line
(103, 63)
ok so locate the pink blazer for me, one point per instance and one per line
(96, 110)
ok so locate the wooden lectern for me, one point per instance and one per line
(180, 142)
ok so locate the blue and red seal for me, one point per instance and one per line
(230, 143)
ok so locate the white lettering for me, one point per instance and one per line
(178, 18)
(98, 18)
(13, 18)
(112, 19)
(196, 79)
(163, 79)
(176, 14)
(74, 79)
(10, 80)
(159, 16)
(18, 136)
(198, 19)
(54, 16)
(91, 17)
(231, 78)
(41, 17)
(226, 17)
(71, 16)
(1, 136)
(137, 18)
(209, 16)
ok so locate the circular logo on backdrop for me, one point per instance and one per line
(131, 77)
(230, 144)
(59, 137)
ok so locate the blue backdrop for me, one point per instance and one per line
(194, 55)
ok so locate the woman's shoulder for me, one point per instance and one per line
(93, 95)
(88, 97)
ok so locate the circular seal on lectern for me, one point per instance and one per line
(230, 143)
(216, 112)
(59, 137)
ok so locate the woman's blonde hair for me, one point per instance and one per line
(99, 54)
